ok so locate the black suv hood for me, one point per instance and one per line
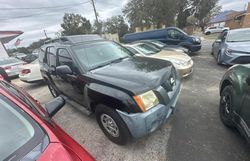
(135, 74)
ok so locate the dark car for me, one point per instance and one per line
(29, 58)
(232, 47)
(163, 46)
(169, 35)
(28, 132)
(235, 99)
(131, 96)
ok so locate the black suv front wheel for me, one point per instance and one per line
(226, 106)
(112, 124)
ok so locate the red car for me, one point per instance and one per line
(27, 131)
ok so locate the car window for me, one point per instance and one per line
(64, 58)
(99, 54)
(35, 61)
(158, 43)
(51, 56)
(132, 50)
(174, 34)
(41, 55)
(9, 61)
(147, 49)
(21, 97)
(19, 133)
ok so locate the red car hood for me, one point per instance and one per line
(62, 146)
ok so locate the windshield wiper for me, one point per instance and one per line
(118, 60)
(113, 61)
(99, 66)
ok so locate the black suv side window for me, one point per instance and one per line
(174, 34)
(51, 56)
(64, 58)
(41, 55)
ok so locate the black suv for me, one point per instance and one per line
(130, 95)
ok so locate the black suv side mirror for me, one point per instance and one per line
(54, 106)
(63, 69)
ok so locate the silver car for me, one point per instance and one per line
(232, 47)
(11, 66)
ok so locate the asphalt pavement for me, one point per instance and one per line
(193, 133)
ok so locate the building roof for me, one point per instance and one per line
(240, 14)
(223, 16)
(7, 36)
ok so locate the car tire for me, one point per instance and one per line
(115, 129)
(52, 90)
(208, 33)
(218, 59)
(226, 106)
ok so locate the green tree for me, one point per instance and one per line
(142, 13)
(134, 11)
(75, 24)
(23, 50)
(202, 10)
(37, 44)
(98, 27)
(116, 24)
(205, 11)
(186, 8)
(160, 12)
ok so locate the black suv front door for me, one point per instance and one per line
(174, 37)
(70, 84)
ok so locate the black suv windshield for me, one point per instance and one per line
(99, 54)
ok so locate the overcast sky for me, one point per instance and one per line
(34, 21)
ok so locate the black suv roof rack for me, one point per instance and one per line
(74, 39)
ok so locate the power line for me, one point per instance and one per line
(47, 7)
(111, 4)
(38, 14)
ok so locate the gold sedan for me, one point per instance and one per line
(182, 62)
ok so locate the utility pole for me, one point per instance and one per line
(96, 17)
(45, 34)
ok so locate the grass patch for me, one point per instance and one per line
(211, 36)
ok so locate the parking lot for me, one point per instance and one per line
(193, 133)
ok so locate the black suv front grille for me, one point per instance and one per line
(170, 82)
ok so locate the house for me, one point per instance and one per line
(5, 37)
(232, 19)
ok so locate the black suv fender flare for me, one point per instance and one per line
(238, 93)
(115, 98)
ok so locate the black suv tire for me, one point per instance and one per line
(226, 106)
(120, 134)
